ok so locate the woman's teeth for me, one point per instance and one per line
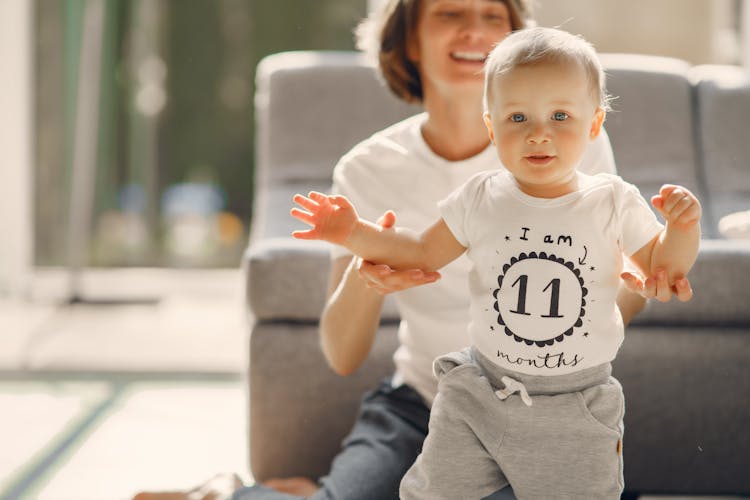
(470, 56)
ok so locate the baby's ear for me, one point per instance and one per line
(488, 124)
(596, 123)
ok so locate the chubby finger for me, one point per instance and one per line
(658, 202)
(677, 202)
(387, 220)
(305, 202)
(649, 288)
(682, 208)
(341, 201)
(632, 282)
(668, 195)
(310, 234)
(683, 290)
(663, 290)
(303, 216)
(668, 189)
(318, 196)
(685, 208)
(691, 215)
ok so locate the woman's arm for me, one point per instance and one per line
(350, 317)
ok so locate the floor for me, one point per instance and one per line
(138, 385)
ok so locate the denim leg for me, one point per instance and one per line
(258, 492)
(384, 442)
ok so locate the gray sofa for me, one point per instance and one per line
(685, 368)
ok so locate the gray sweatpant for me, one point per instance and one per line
(549, 437)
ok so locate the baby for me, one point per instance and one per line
(532, 402)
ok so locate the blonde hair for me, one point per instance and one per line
(537, 45)
(386, 33)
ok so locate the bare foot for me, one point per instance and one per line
(219, 487)
(300, 486)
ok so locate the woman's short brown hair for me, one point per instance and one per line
(384, 36)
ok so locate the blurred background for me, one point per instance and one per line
(125, 204)
(169, 114)
(174, 142)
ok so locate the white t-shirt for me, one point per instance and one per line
(545, 272)
(396, 169)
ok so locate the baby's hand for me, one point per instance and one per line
(677, 205)
(333, 218)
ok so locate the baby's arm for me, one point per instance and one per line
(334, 219)
(676, 247)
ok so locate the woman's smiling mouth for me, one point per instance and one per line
(469, 56)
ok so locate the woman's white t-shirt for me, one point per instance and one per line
(396, 170)
(545, 271)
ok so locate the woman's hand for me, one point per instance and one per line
(384, 280)
(657, 286)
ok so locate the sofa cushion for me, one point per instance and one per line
(723, 102)
(312, 107)
(286, 279)
(719, 281)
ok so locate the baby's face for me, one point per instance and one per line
(540, 118)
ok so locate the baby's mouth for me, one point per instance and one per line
(539, 159)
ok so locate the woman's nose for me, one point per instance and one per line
(472, 27)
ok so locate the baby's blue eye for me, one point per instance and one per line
(517, 117)
(560, 116)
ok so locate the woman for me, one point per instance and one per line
(428, 51)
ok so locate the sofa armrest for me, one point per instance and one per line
(720, 285)
(300, 410)
(286, 279)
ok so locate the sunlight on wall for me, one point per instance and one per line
(15, 144)
(698, 31)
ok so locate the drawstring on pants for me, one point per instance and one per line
(511, 387)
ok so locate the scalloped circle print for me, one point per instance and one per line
(540, 299)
